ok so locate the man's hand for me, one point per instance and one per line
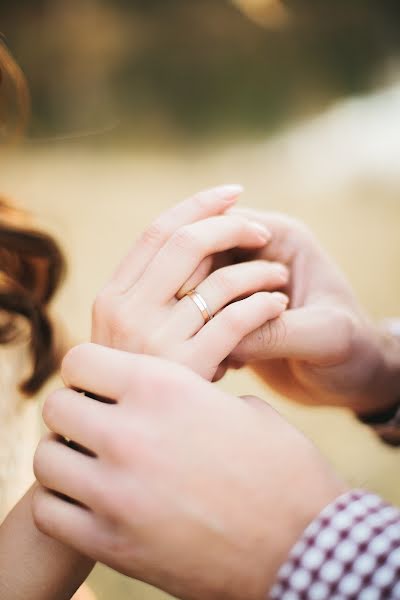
(183, 486)
(324, 349)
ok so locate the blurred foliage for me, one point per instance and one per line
(152, 68)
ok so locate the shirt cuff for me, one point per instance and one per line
(350, 551)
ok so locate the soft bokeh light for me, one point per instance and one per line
(138, 104)
(269, 13)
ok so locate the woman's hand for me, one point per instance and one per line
(323, 349)
(139, 310)
(186, 487)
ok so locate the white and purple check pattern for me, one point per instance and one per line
(351, 551)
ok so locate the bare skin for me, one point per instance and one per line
(185, 486)
(142, 308)
(324, 349)
(123, 317)
(34, 566)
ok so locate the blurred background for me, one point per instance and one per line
(136, 104)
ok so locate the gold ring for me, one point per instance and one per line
(201, 305)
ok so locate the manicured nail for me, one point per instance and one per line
(282, 271)
(229, 193)
(281, 298)
(262, 231)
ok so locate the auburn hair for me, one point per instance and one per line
(31, 262)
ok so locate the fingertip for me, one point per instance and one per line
(73, 359)
(281, 269)
(230, 191)
(226, 194)
(262, 232)
(268, 306)
(282, 298)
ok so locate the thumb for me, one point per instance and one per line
(319, 334)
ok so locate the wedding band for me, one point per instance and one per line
(201, 305)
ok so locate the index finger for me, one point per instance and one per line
(288, 234)
(112, 374)
(200, 206)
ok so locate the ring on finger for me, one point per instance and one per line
(201, 305)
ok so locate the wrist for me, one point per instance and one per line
(381, 392)
(320, 487)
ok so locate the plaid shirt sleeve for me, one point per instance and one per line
(350, 551)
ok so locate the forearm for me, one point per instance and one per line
(33, 565)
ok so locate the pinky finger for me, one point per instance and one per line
(218, 338)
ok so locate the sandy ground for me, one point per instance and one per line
(97, 202)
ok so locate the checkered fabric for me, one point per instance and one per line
(350, 551)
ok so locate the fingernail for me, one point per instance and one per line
(229, 193)
(282, 271)
(262, 231)
(281, 297)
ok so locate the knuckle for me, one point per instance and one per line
(152, 345)
(167, 382)
(103, 304)
(98, 492)
(125, 332)
(173, 384)
(233, 319)
(155, 233)
(201, 199)
(113, 505)
(160, 382)
(117, 443)
(156, 381)
(342, 326)
(185, 238)
(110, 310)
(222, 281)
(119, 321)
